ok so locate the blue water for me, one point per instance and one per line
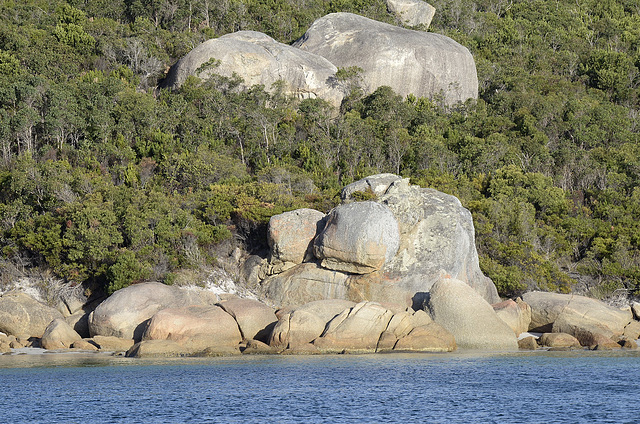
(523, 387)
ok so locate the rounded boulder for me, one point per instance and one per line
(358, 238)
(471, 319)
(125, 312)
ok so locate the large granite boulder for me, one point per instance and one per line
(259, 59)
(59, 335)
(436, 237)
(358, 238)
(566, 313)
(472, 321)
(23, 316)
(254, 318)
(412, 12)
(410, 62)
(195, 327)
(125, 313)
(302, 325)
(290, 235)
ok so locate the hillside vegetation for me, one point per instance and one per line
(106, 180)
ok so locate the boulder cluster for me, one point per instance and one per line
(414, 62)
(398, 272)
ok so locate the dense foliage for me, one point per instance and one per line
(105, 179)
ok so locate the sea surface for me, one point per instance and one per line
(463, 387)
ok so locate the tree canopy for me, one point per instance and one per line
(106, 179)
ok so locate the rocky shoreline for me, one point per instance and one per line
(396, 273)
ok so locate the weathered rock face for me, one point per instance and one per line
(196, 327)
(565, 313)
(425, 64)
(472, 321)
(22, 315)
(254, 318)
(124, 313)
(632, 330)
(304, 324)
(436, 237)
(304, 283)
(259, 59)
(516, 315)
(290, 235)
(357, 329)
(111, 343)
(332, 326)
(358, 238)
(412, 12)
(59, 335)
(528, 343)
(377, 184)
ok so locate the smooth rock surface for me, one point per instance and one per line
(635, 308)
(259, 59)
(157, 349)
(410, 62)
(254, 318)
(472, 321)
(125, 312)
(431, 337)
(412, 12)
(304, 283)
(290, 235)
(59, 335)
(84, 345)
(197, 327)
(358, 238)
(22, 315)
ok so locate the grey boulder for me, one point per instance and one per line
(472, 321)
(437, 238)
(410, 62)
(412, 12)
(259, 59)
(358, 238)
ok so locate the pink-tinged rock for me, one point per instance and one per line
(291, 234)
